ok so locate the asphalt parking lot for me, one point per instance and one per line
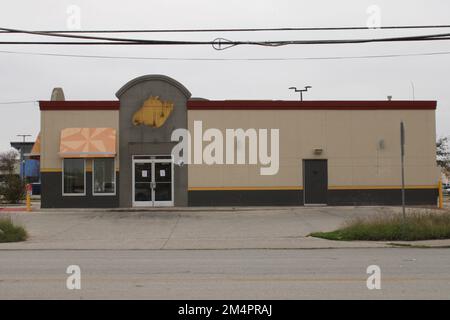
(191, 228)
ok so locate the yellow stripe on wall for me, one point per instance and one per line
(381, 187)
(301, 188)
(60, 170)
(243, 188)
(50, 170)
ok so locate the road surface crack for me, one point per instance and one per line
(171, 232)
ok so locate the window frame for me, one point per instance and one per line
(63, 173)
(93, 179)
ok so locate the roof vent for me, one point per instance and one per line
(58, 95)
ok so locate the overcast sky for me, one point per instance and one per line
(26, 77)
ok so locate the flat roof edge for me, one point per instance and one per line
(311, 105)
(80, 105)
(197, 104)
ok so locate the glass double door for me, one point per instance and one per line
(152, 183)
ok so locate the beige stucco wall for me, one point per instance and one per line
(52, 122)
(349, 139)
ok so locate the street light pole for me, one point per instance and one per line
(22, 162)
(300, 91)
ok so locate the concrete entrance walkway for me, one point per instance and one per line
(192, 228)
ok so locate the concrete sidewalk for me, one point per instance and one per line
(193, 228)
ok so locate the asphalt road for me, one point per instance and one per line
(226, 274)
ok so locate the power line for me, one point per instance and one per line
(219, 43)
(232, 43)
(108, 39)
(225, 59)
(18, 102)
(240, 29)
(40, 33)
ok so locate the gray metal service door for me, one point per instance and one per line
(315, 181)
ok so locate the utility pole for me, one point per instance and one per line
(300, 91)
(413, 90)
(22, 162)
(402, 151)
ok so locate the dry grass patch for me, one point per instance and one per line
(10, 232)
(389, 227)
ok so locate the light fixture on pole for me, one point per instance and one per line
(300, 91)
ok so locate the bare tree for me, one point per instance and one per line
(8, 162)
(13, 188)
(443, 154)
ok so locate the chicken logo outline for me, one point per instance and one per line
(153, 112)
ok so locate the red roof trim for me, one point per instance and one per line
(79, 105)
(309, 105)
(254, 105)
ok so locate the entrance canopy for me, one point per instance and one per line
(88, 143)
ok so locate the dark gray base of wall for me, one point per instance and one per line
(382, 197)
(373, 197)
(246, 198)
(51, 194)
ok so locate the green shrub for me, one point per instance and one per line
(9, 232)
(416, 226)
(13, 189)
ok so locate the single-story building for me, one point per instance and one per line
(122, 153)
